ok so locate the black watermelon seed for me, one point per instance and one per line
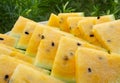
(98, 17)
(42, 36)
(60, 22)
(66, 58)
(6, 77)
(100, 58)
(89, 70)
(91, 35)
(109, 52)
(26, 32)
(53, 44)
(108, 40)
(1, 38)
(78, 44)
(71, 53)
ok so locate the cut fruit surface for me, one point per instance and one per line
(35, 40)
(19, 26)
(86, 27)
(108, 35)
(64, 63)
(63, 19)
(53, 21)
(26, 35)
(8, 65)
(95, 66)
(8, 40)
(48, 47)
(25, 74)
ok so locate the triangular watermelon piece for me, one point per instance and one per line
(35, 40)
(86, 26)
(25, 74)
(19, 26)
(48, 47)
(95, 66)
(26, 35)
(64, 63)
(108, 35)
(63, 19)
(8, 40)
(8, 65)
(53, 21)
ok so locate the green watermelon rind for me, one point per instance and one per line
(15, 35)
(20, 46)
(66, 80)
(38, 64)
(112, 16)
(82, 14)
(30, 54)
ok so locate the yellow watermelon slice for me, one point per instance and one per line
(8, 40)
(64, 63)
(86, 25)
(53, 21)
(48, 47)
(8, 65)
(19, 26)
(6, 50)
(26, 35)
(35, 40)
(63, 19)
(11, 48)
(72, 24)
(85, 28)
(105, 18)
(93, 66)
(108, 35)
(25, 74)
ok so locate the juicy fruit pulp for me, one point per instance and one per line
(48, 47)
(19, 26)
(26, 35)
(63, 19)
(100, 67)
(34, 41)
(64, 63)
(8, 40)
(53, 20)
(108, 35)
(8, 64)
(25, 74)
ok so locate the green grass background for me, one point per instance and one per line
(40, 10)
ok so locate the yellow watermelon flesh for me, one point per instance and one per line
(72, 24)
(53, 21)
(25, 74)
(86, 25)
(11, 48)
(48, 47)
(108, 35)
(8, 40)
(63, 19)
(85, 28)
(15, 53)
(8, 65)
(19, 26)
(95, 66)
(64, 63)
(105, 18)
(26, 35)
(35, 40)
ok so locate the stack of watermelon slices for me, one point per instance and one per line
(69, 48)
